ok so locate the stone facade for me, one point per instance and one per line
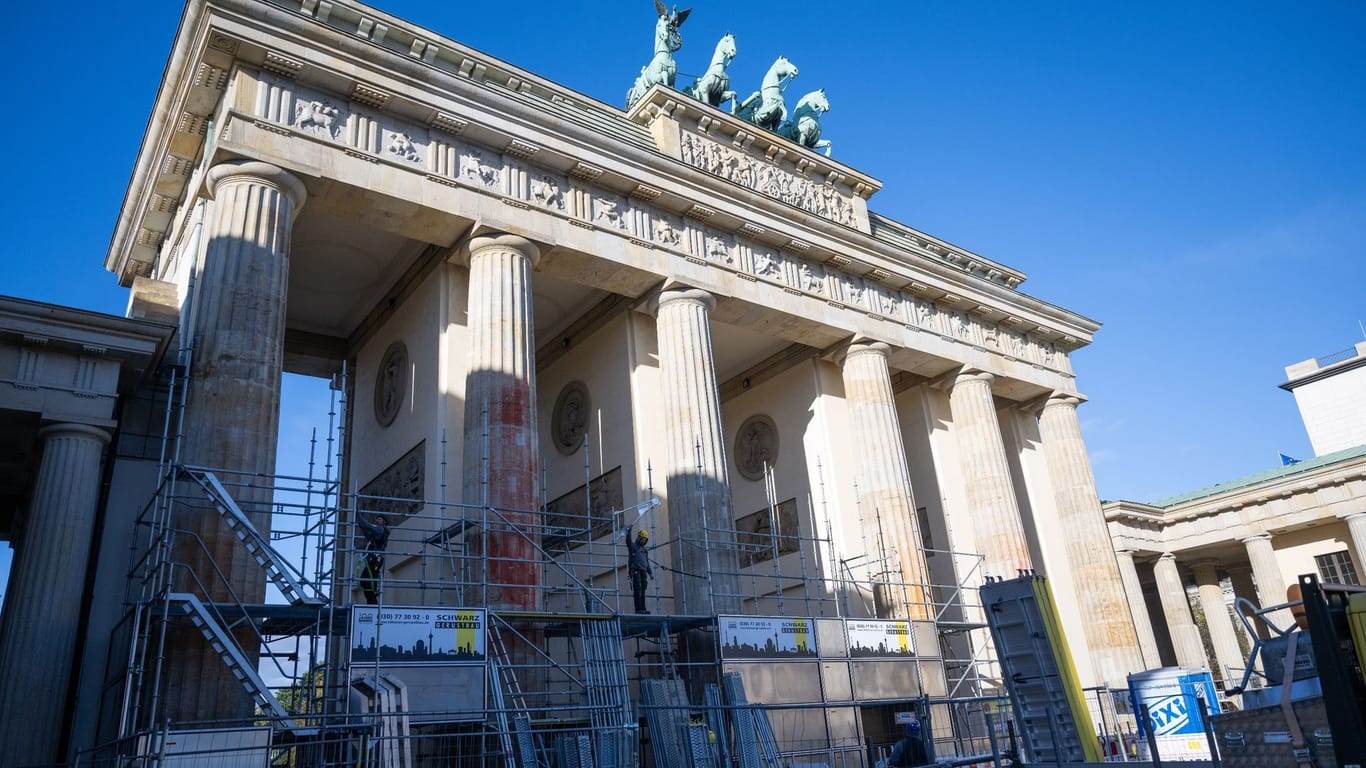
(335, 184)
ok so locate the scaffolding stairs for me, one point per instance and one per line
(228, 650)
(290, 585)
(1034, 681)
(609, 695)
(755, 745)
(510, 707)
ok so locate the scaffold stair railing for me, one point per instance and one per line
(229, 652)
(514, 733)
(609, 695)
(291, 586)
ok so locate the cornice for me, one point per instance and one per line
(518, 111)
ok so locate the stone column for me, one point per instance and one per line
(501, 454)
(1190, 651)
(232, 412)
(1110, 634)
(701, 523)
(1222, 635)
(884, 478)
(1138, 608)
(42, 617)
(1356, 527)
(1266, 572)
(991, 505)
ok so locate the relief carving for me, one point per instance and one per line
(889, 304)
(718, 249)
(317, 117)
(609, 213)
(756, 446)
(478, 171)
(397, 492)
(402, 145)
(547, 193)
(962, 325)
(569, 420)
(818, 198)
(765, 265)
(811, 279)
(666, 233)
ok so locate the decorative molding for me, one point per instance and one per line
(209, 76)
(750, 231)
(699, 212)
(194, 125)
(642, 192)
(585, 172)
(521, 149)
(370, 97)
(448, 123)
(280, 65)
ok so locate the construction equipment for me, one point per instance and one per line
(1311, 713)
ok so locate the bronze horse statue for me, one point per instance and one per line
(765, 108)
(805, 128)
(713, 87)
(661, 70)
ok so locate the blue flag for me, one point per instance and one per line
(1287, 461)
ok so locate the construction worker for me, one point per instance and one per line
(638, 566)
(372, 565)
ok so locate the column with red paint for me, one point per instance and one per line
(501, 455)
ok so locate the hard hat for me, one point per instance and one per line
(644, 534)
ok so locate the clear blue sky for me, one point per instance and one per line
(1192, 175)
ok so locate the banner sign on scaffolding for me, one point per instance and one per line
(417, 635)
(879, 638)
(767, 638)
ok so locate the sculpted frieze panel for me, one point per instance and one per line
(719, 248)
(767, 264)
(400, 144)
(811, 277)
(478, 170)
(767, 178)
(547, 191)
(666, 230)
(611, 212)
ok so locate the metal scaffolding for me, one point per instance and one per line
(580, 680)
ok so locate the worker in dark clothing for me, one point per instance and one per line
(910, 752)
(638, 567)
(376, 540)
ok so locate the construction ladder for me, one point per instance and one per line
(502, 676)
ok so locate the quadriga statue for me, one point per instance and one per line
(765, 108)
(661, 70)
(713, 87)
(805, 128)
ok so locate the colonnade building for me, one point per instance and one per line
(1255, 534)
(529, 303)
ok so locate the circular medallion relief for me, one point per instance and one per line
(569, 422)
(391, 381)
(756, 445)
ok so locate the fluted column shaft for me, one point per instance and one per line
(991, 505)
(1221, 632)
(1110, 634)
(1190, 651)
(501, 455)
(701, 523)
(884, 478)
(42, 616)
(232, 412)
(1356, 527)
(1138, 608)
(1266, 572)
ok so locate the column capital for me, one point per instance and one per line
(499, 241)
(259, 173)
(1251, 537)
(859, 345)
(75, 428)
(1166, 557)
(950, 380)
(680, 292)
(1347, 518)
(1072, 399)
